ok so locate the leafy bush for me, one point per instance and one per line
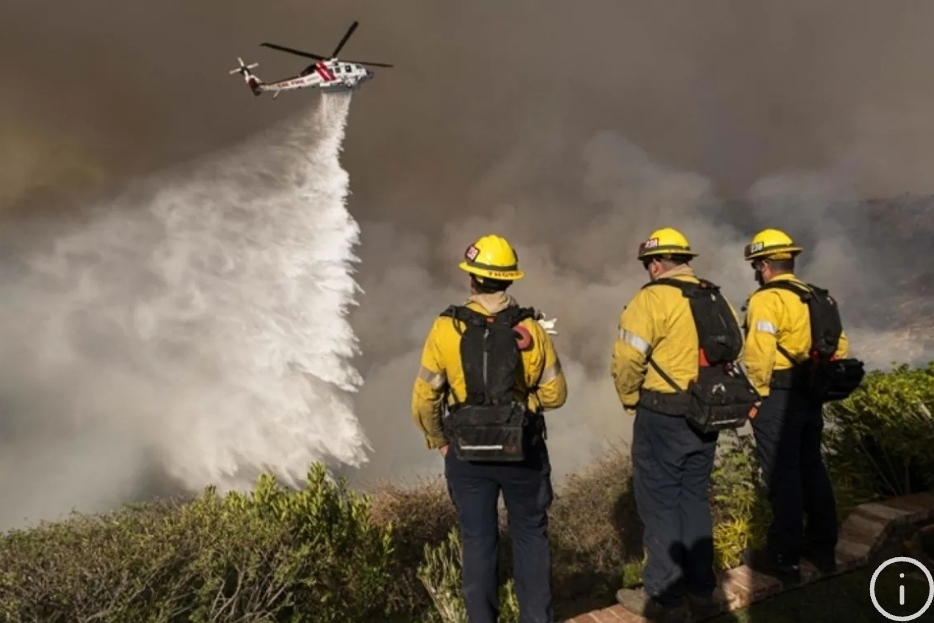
(441, 576)
(270, 555)
(738, 503)
(420, 516)
(885, 431)
(327, 554)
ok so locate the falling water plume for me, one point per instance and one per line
(196, 323)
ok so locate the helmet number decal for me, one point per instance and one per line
(471, 253)
(756, 247)
(651, 243)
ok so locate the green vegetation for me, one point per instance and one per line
(328, 554)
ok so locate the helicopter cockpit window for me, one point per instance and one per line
(347, 68)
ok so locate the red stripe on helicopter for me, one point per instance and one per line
(324, 72)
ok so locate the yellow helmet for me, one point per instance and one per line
(773, 244)
(493, 257)
(665, 242)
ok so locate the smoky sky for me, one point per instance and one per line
(574, 128)
(730, 90)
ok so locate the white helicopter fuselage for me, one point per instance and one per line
(328, 73)
(331, 75)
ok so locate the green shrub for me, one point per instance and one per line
(111, 567)
(884, 432)
(327, 554)
(271, 555)
(440, 573)
(420, 516)
(738, 503)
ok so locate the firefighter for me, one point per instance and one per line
(449, 373)
(789, 424)
(672, 461)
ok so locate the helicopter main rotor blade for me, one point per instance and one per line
(367, 63)
(349, 32)
(293, 51)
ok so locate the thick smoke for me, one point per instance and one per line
(584, 271)
(574, 129)
(192, 329)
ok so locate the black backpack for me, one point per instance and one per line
(822, 378)
(491, 423)
(721, 396)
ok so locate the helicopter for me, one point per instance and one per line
(328, 73)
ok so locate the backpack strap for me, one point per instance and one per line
(465, 315)
(664, 375)
(803, 292)
(805, 295)
(668, 281)
(689, 290)
(511, 315)
(514, 314)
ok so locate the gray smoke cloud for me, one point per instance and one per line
(582, 269)
(574, 129)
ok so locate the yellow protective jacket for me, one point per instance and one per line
(441, 371)
(656, 321)
(777, 317)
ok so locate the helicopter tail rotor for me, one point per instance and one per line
(243, 70)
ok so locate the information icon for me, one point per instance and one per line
(901, 592)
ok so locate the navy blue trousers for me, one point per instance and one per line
(527, 492)
(788, 430)
(672, 464)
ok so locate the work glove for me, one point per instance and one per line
(549, 325)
